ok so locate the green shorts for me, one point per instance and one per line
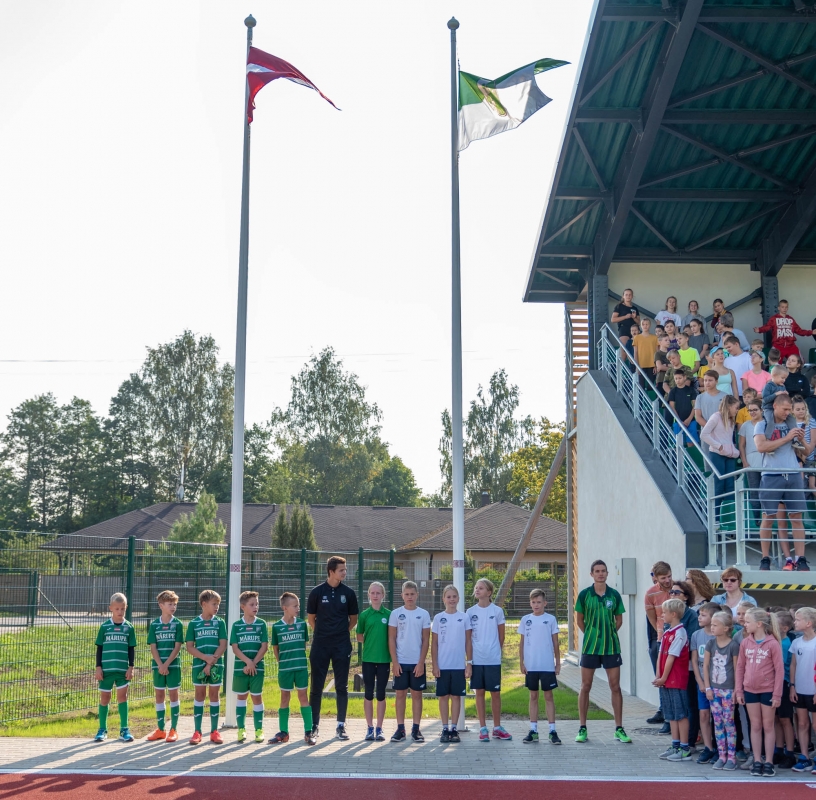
(170, 681)
(111, 679)
(293, 679)
(242, 683)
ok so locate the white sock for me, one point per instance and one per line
(534, 726)
(552, 727)
(341, 724)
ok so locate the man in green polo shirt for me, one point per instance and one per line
(599, 613)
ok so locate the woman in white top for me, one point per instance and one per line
(669, 312)
(727, 382)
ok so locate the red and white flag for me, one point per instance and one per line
(263, 68)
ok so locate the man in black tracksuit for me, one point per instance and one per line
(332, 612)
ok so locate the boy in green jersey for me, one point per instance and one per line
(250, 641)
(206, 642)
(115, 652)
(289, 637)
(372, 632)
(165, 637)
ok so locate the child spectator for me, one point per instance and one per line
(697, 649)
(727, 326)
(409, 631)
(796, 382)
(623, 313)
(372, 632)
(672, 680)
(708, 401)
(811, 399)
(115, 657)
(719, 671)
(484, 649)
(758, 346)
(290, 635)
(748, 395)
(449, 631)
(760, 673)
(783, 330)
(699, 339)
(718, 434)
(750, 456)
(669, 313)
(674, 365)
(739, 361)
(774, 358)
(540, 662)
(689, 357)
(784, 756)
(681, 399)
(165, 637)
(774, 387)
(757, 376)
(661, 359)
(802, 665)
(727, 380)
(693, 313)
(807, 424)
(249, 638)
(634, 330)
(659, 330)
(645, 344)
(670, 329)
(206, 639)
(719, 309)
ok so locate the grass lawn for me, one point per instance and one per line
(65, 658)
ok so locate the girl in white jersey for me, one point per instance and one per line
(484, 651)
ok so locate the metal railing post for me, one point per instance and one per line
(655, 424)
(740, 496)
(360, 585)
(679, 448)
(303, 576)
(710, 524)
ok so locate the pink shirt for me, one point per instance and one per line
(719, 436)
(760, 667)
(756, 380)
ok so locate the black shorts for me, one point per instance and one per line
(546, 680)
(375, 673)
(590, 661)
(451, 681)
(785, 710)
(805, 701)
(763, 698)
(486, 677)
(408, 680)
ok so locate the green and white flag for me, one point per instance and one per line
(489, 107)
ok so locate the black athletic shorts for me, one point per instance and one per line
(804, 701)
(487, 677)
(408, 680)
(375, 673)
(546, 680)
(589, 661)
(785, 710)
(451, 681)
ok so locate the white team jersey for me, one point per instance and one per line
(484, 622)
(450, 639)
(805, 653)
(409, 625)
(537, 632)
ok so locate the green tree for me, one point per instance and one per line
(202, 526)
(530, 467)
(394, 485)
(295, 532)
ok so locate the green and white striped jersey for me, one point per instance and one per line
(115, 638)
(165, 635)
(206, 635)
(249, 637)
(291, 639)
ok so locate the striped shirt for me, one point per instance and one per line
(206, 634)
(600, 631)
(290, 639)
(165, 635)
(249, 637)
(115, 638)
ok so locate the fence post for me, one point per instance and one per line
(655, 424)
(303, 576)
(679, 450)
(711, 524)
(33, 583)
(360, 586)
(740, 518)
(131, 569)
(391, 578)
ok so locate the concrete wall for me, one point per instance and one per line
(621, 514)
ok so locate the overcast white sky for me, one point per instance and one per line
(120, 156)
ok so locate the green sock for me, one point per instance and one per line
(283, 718)
(174, 715)
(240, 712)
(123, 715)
(198, 715)
(160, 715)
(103, 718)
(215, 710)
(257, 717)
(306, 712)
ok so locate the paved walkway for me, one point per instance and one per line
(601, 758)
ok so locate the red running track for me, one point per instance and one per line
(126, 787)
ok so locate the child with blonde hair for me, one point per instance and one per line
(719, 670)
(165, 637)
(802, 665)
(372, 633)
(760, 673)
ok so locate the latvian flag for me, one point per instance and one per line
(263, 68)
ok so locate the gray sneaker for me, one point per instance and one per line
(680, 755)
(748, 763)
(730, 765)
(669, 751)
(719, 764)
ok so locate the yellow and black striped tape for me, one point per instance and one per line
(779, 587)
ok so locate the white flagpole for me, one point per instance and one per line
(457, 463)
(237, 505)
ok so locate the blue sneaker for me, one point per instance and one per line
(802, 765)
(125, 735)
(101, 735)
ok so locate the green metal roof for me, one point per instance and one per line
(691, 138)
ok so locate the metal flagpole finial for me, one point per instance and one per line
(250, 21)
(453, 23)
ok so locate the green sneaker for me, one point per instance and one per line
(582, 734)
(620, 735)
(241, 734)
(259, 736)
(531, 738)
